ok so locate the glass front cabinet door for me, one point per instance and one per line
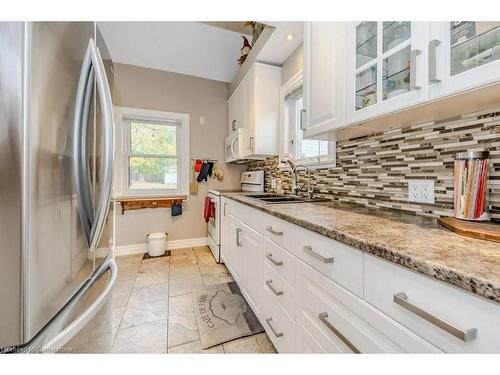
(463, 55)
(386, 67)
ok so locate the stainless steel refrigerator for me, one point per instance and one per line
(56, 170)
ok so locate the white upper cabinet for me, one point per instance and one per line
(254, 106)
(386, 67)
(463, 56)
(324, 72)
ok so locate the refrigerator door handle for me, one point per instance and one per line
(76, 325)
(106, 104)
(81, 176)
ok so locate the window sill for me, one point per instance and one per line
(138, 203)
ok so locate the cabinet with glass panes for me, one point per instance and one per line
(385, 67)
(466, 54)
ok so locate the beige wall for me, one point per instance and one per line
(293, 64)
(164, 91)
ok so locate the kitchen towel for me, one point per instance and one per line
(209, 209)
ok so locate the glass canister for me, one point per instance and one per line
(471, 185)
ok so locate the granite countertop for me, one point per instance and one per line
(415, 242)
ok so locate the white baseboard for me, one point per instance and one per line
(171, 245)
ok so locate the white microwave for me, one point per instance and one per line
(233, 147)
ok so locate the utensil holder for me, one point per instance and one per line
(471, 190)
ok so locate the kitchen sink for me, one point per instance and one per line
(277, 199)
(259, 196)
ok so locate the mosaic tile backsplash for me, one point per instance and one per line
(374, 170)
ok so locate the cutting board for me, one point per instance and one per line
(482, 230)
(193, 185)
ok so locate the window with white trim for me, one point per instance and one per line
(155, 154)
(304, 151)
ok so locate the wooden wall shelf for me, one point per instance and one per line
(142, 203)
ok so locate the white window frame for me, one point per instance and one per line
(123, 115)
(286, 88)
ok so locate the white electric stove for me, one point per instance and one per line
(250, 181)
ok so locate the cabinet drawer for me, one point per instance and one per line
(278, 324)
(246, 214)
(337, 261)
(279, 231)
(435, 311)
(280, 290)
(305, 343)
(341, 322)
(279, 260)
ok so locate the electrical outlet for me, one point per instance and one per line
(421, 191)
(427, 191)
(273, 182)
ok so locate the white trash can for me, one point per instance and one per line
(157, 244)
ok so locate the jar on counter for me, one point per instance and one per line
(471, 190)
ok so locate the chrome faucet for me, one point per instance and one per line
(295, 188)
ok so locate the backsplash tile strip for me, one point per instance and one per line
(374, 170)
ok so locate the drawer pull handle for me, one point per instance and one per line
(402, 300)
(323, 317)
(270, 257)
(275, 232)
(238, 231)
(309, 250)
(277, 334)
(270, 286)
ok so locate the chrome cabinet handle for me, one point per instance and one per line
(275, 232)
(301, 119)
(469, 334)
(433, 44)
(277, 334)
(225, 209)
(270, 257)
(252, 143)
(238, 231)
(269, 284)
(413, 69)
(323, 318)
(233, 124)
(309, 250)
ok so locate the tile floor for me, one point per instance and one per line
(152, 308)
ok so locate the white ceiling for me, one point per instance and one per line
(191, 48)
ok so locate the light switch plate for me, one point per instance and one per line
(421, 191)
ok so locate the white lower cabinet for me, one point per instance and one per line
(332, 298)
(229, 250)
(451, 319)
(279, 325)
(250, 247)
(281, 291)
(339, 262)
(343, 323)
(305, 343)
(280, 260)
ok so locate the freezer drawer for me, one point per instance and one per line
(85, 323)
